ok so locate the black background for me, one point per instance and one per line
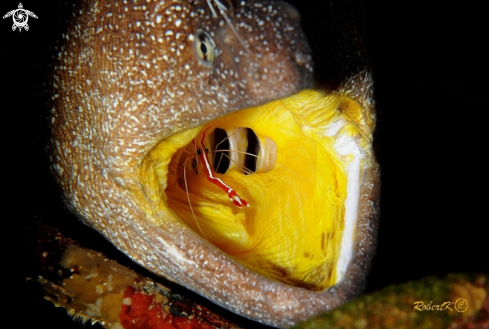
(430, 76)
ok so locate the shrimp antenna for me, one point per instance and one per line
(188, 199)
(222, 11)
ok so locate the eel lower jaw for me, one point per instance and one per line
(298, 162)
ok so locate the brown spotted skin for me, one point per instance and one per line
(127, 77)
(136, 73)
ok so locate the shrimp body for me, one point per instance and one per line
(202, 153)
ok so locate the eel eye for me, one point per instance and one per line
(204, 48)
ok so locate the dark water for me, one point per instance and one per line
(431, 90)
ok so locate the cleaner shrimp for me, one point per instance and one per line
(202, 153)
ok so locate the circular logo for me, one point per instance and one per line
(20, 17)
(461, 305)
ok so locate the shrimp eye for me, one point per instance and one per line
(204, 49)
(207, 151)
(199, 151)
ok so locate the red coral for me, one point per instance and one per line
(145, 313)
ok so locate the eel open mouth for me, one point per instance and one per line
(297, 162)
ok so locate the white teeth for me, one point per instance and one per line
(238, 154)
(238, 141)
(267, 155)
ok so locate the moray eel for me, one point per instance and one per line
(135, 86)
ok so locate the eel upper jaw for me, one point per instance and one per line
(286, 61)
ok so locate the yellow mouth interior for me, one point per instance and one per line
(283, 158)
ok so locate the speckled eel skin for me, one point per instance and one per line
(133, 74)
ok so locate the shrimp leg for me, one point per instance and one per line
(202, 153)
